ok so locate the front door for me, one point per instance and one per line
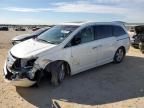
(85, 51)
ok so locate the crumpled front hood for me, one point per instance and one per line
(20, 37)
(29, 48)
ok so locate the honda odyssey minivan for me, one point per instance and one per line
(66, 49)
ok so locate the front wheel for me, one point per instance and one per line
(37, 78)
(58, 74)
(119, 55)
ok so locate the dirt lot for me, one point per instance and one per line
(108, 86)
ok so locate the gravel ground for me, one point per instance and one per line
(109, 86)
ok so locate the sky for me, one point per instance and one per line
(58, 11)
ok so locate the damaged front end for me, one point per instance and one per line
(20, 72)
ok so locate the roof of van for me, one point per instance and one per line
(90, 22)
(73, 23)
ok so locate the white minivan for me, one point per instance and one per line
(66, 49)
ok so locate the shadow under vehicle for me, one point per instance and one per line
(98, 86)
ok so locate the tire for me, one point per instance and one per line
(58, 74)
(37, 78)
(119, 55)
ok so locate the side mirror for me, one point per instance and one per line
(76, 40)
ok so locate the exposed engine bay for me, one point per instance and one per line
(18, 69)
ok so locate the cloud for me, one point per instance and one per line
(86, 7)
(17, 9)
(78, 7)
(92, 6)
(127, 10)
(117, 1)
(23, 20)
(134, 17)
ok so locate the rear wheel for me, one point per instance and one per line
(119, 55)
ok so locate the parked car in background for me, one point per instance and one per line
(4, 29)
(139, 37)
(20, 29)
(35, 28)
(24, 37)
(66, 49)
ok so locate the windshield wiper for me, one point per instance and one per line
(51, 42)
(42, 40)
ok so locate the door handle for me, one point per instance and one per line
(95, 47)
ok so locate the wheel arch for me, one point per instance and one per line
(123, 49)
(68, 68)
(114, 58)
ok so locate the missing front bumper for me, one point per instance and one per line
(24, 82)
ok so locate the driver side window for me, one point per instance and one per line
(85, 35)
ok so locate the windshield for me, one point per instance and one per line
(57, 34)
(38, 32)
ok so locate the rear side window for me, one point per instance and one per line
(118, 31)
(103, 31)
